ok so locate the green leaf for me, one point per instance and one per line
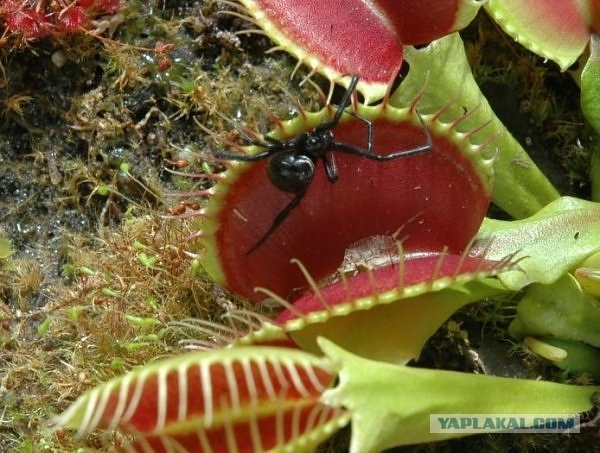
(550, 243)
(590, 105)
(560, 310)
(390, 405)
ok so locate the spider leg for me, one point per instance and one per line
(345, 101)
(357, 151)
(272, 146)
(278, 220)
(369, 154)
(250, 138)
(428, 146)
(330, 167)
(226, 155)
(369, 125)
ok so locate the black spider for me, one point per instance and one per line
(292, 162)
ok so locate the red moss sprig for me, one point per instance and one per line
(35, 19)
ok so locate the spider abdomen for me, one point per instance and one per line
(291, 172)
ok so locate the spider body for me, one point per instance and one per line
(292, 163)
(291, 172)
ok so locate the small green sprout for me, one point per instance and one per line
(143, 323)
(152, 302)
(5, 248)
(71, 271)
(74, 312)
(196, 267)
(137, 245)
(44, 326)
(109, 292)
(147, 261)
(124, 167)
(103, 190)
(117, 364)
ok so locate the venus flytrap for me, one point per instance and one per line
(428, 206)
(363, 202)
(401, 315)
(554, 29)
(520, 188)
(261, 398)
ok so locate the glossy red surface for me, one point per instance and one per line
(419, 22)
(328, 32)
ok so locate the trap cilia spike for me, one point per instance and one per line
(436, 200)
